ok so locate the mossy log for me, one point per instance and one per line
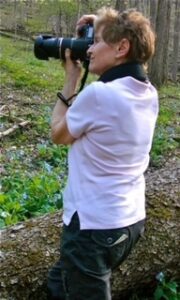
(30, 248)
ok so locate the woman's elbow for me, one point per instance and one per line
(60, 139)
(60, 134)
(54, 137)
(56, 133)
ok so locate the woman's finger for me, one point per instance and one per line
(67, 53)
(85, 19)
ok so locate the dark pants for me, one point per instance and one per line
(87, 260)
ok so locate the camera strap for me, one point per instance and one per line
(68, 102)
(83, 80)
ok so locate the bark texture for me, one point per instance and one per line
(158, 69)
(30, 248)
(176, 43)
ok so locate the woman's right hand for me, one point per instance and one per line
(73, 68)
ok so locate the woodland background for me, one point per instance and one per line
(30, 17)
(33, 171)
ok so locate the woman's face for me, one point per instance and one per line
(102, 55)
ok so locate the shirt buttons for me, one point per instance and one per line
(109, 240)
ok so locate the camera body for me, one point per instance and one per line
(47, 46)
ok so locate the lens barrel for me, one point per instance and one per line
(47, 46)
(78, 48)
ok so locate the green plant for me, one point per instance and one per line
(26, 196)
(32, 187)
(163, 141)
(167, 290)
(29, 160)
(53, 154)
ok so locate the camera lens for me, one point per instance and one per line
(64, 43)
(46, 46)
(78, 48)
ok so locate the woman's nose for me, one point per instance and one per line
(89, 51)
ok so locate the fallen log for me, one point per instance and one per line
(30, 248)
(13, 128)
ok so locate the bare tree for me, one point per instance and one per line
(153, 12)
(158, 73)
(147, 7)
(121, 5)
(176, 41)
(166, 42)
(140, 5)
(59, 17)
(15, 18)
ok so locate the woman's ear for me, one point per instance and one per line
(122, 48)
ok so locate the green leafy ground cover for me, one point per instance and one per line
(34, 170)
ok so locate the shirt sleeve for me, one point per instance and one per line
(82, 114)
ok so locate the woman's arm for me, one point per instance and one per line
(59, 130)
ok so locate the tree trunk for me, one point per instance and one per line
(158, 69)
(166, 43)
(153, 12)
(30, 248)
(139, 5)
(176, 41)
(121, 5)
(15, 18)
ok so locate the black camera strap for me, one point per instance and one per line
(68, 101)
(83, 80)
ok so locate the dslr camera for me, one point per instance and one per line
(47, 46)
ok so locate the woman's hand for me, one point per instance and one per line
(73, 71)
(85, 19)
(73, 68)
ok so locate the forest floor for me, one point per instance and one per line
(27, 152)
(31, 167)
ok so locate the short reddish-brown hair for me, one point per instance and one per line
(129, 24)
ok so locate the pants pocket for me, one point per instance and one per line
(116, 243)
(109, 238)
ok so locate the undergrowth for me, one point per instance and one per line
(34, 171)
(20, 68)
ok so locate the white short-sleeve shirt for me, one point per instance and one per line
(113, 124)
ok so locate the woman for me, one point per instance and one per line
(110, 127)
